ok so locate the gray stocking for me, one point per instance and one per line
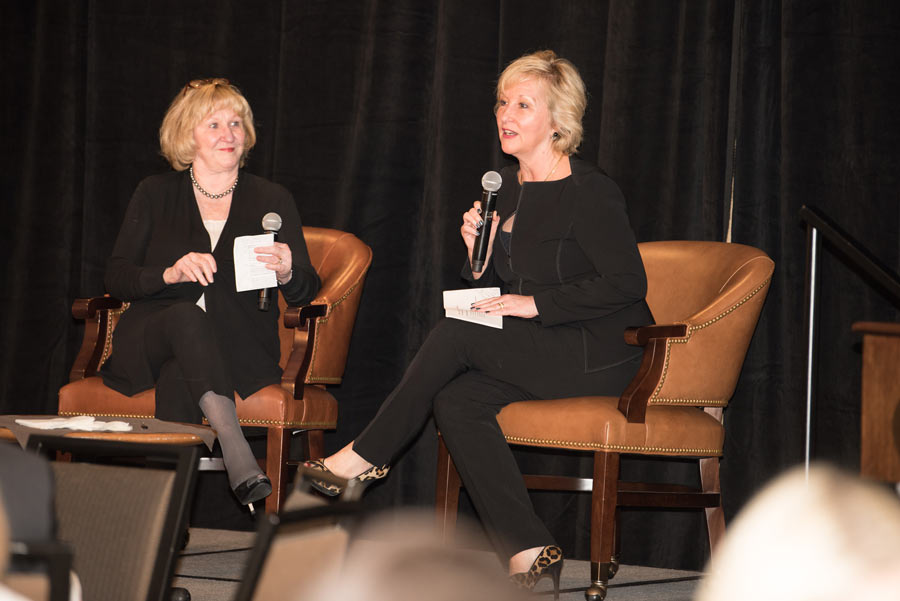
(240, 464)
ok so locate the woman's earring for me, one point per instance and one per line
(555, 135)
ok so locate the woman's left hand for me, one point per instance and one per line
(277, 258)
(514, 305)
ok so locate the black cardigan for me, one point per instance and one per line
(161, 225)
(573, 249)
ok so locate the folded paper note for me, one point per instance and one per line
(458, 305)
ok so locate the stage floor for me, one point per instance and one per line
(213, 562)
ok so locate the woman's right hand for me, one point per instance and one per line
(192, 267)
(472, 220)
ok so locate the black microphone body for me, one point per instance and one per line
(490, 183)
(271, 224)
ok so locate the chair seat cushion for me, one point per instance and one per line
(269, 406)
(595, 423)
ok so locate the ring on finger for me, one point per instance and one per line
(500, 305)
(280, 260)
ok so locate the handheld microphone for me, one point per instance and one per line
(271, 223)
(490, 182)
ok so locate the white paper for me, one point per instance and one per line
(457, 305)
(250, 274)
(79, 422)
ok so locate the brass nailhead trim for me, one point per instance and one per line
(690, 332)
(612, 447)
(95, 414)
(323, 380)
(107, 343)
(704, 402)
(311, 425)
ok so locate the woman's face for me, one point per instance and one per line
(523, 119)
(219, 141)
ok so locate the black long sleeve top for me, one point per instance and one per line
(162, 224)
(573, 249)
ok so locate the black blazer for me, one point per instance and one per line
(161, 225)
(573, 249)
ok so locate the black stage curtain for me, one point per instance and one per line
(377, 116)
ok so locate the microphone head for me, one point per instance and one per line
(491, 181)
(271, 222)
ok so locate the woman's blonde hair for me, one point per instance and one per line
(198, 99)
(566, 95)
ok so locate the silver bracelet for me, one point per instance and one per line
(290, 275)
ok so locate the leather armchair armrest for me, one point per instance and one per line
(303, 320)
(640, 336)
(633, 402)
(295, 317)
(87, 308)
(94, 312)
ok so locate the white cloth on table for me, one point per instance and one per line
(79, 422)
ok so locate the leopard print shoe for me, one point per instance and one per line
(549, 562)
(333, 490)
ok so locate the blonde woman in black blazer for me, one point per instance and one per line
(565, 257)
(188, 331)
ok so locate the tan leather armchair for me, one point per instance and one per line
(706, 298)
(314, 343)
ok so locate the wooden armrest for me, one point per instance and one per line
(641, 336)
(86, 308)
(295, 317)
(304, 341)
(96, 330)
(633, 402)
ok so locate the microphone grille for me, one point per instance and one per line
(491, 181)
(271, 222)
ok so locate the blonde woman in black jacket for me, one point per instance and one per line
(566, 261)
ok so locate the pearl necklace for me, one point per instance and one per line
(207, 194)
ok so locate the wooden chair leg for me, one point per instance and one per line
(447, 492)
(617, 548)
(603, 522)
(278, 446)
(715, 516)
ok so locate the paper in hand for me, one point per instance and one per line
(458, 305)
(250, 274)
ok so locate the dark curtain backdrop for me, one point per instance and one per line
(377, 116)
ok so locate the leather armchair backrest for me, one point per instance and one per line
(718, 290)
(341, 260)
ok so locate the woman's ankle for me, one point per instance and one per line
(346, 463)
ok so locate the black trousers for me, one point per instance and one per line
(184, 357)
(464, 374)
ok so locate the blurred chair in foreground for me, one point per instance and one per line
(122, 507)
(834, 538)
(39, 564)
(6, 593)
(302, 544)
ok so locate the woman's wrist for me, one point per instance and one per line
(287, 278)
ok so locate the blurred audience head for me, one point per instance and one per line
(401, 558)
(198, 99)
(834, 538)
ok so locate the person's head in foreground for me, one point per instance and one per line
(836, 538)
